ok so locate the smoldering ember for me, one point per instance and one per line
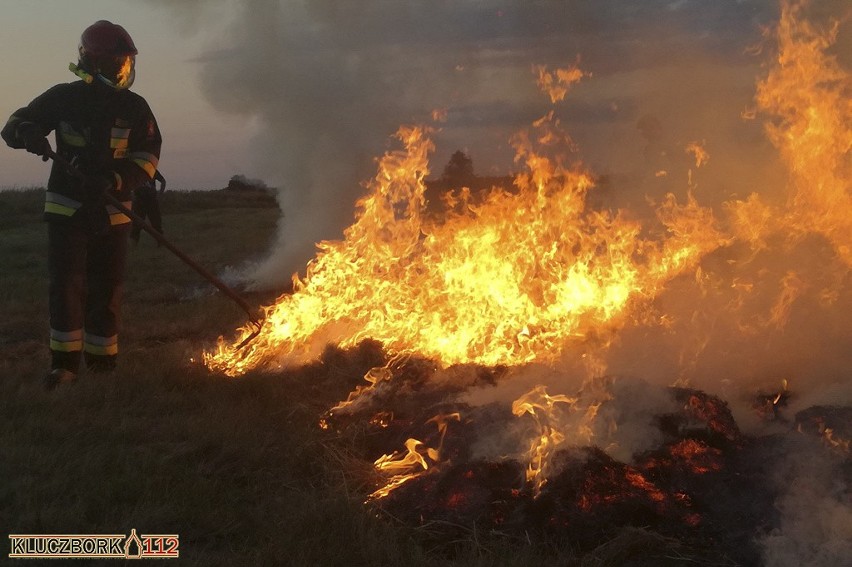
(550, 371)
(698, 486)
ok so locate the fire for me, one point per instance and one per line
(557, 82)
(807, 94)
(697, 456)
(527, 273)
(405, 467)
(507, 281)
(540, 406)
(402, 467)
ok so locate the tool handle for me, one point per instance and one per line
(112, 200)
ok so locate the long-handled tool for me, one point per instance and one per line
(255, 322)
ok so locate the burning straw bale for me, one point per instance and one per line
(592, 492)
(702, 415)
(705, 484)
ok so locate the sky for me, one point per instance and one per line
(306, 94)
(202, 147)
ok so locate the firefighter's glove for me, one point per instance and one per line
(34, 140)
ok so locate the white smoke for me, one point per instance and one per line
(326, 83)
(815, 507)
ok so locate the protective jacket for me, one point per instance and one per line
(100, 130)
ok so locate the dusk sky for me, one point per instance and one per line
(304, 95)
(202, 148)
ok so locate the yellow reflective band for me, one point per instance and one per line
(80, 73)
(101, 345)
(59, 199)
(146, 161)
(58, 209)
(118, 218)
(149, 168)
(66, 346)
(118, 143)
(103, 350)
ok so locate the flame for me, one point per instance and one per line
(442, 421)
(439, 115)
(403, 467)
(411, 464)
(506, 281)
(523, 273)
(541, 407)
(829, 437)
(807, 94)
(122, 76)
(560, 420)
(638, 480)
(557, 83)
(398, 464)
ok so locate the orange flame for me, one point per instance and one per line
(507, 281)
(557, 83)
(527, 271)
(541, 407)
(405, 467)
(807, 93)
(402, 467)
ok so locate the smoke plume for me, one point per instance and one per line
(326, 83)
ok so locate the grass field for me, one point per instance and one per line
(238, 468)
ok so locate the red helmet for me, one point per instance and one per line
(107, 52)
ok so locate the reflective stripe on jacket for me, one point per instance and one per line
(102, 131)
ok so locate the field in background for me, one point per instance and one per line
(238, 468)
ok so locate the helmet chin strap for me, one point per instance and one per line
(89, 78)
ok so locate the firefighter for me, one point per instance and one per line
(109, 134)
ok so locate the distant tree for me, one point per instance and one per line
(240, 182)
(459, 169)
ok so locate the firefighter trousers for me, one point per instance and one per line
(86, 284)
